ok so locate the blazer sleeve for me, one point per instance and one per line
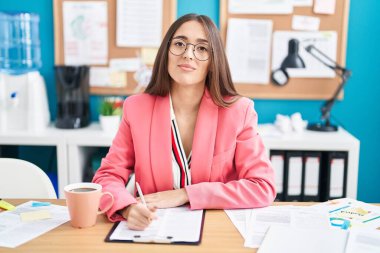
(115, 169)
(255, 186)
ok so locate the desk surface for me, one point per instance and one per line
(219, 235)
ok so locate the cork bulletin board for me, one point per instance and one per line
(169, 15)
(297, 88)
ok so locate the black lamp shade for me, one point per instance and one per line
(293, 59)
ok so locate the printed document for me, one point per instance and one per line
(14, 231)
(254, 223)
(298, 240)
(85, 32)
(139, 23)
(174, 225)
(359, 214)
(238, 218)
(260, 7)
(248, 50)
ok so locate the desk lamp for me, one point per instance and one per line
(292, 60)
(281, 77)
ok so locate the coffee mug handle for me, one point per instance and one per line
(110, 205)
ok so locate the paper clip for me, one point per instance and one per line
(156, 239)
(340, 222)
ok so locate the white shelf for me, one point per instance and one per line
(318, 141)
(75, 144)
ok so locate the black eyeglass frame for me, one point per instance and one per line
(194, 46)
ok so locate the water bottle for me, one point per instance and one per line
(20, 50)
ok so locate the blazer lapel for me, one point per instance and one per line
(204, 140)
(160, 145)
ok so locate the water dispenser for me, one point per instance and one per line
(23, 98)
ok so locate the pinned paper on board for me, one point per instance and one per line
(125, 64)
(260, 6)
(148, 55)
(107, 77)
(139, 23)
(305, 23)
(118, 79)
(324, 6)
(85, 32)
(325, 41)
(302, 2)
(248, 50)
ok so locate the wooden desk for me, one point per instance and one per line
(219, 235)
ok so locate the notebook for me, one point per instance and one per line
(178, 225)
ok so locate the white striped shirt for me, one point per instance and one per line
(180, 165)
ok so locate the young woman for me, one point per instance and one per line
(190, 138)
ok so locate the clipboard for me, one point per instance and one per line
(187, 229)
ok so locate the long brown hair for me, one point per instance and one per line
(218, 80)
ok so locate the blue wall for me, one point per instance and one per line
(359, 112)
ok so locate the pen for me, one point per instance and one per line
(140, 194)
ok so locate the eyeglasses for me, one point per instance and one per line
(201, 50)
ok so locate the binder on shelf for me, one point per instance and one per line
(293, 176)
(278, 163)
(311, 179)
(336, 175)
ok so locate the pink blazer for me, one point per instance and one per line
(229, 165)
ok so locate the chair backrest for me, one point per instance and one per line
(22, 179)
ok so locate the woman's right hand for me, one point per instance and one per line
(139, 216)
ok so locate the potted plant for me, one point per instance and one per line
(111, 109)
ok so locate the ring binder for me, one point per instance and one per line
(312, 170)
(293, 176)
(278, 162)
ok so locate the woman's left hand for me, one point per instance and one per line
(166, 199)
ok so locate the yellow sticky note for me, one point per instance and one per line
(35, 215)
(148, 55)
(118, 79)
(5, 205)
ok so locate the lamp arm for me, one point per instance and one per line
(326, 108)
(342, 72)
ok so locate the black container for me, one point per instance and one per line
(72, 84)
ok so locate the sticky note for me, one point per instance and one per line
(35, 215)
(148, 55)
(37, 204)
(324, 6)
(118, 79)
(99, 76)
(305, 23)
(5, 205)
(125, 64)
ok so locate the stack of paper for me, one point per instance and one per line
(295, 240)
(29, 221)
(342, 225)
(254, 223)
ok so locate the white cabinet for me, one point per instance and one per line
(80, 144)
(51, 137)
(318, 141)
(75, 146)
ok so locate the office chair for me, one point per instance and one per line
(22, 179)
